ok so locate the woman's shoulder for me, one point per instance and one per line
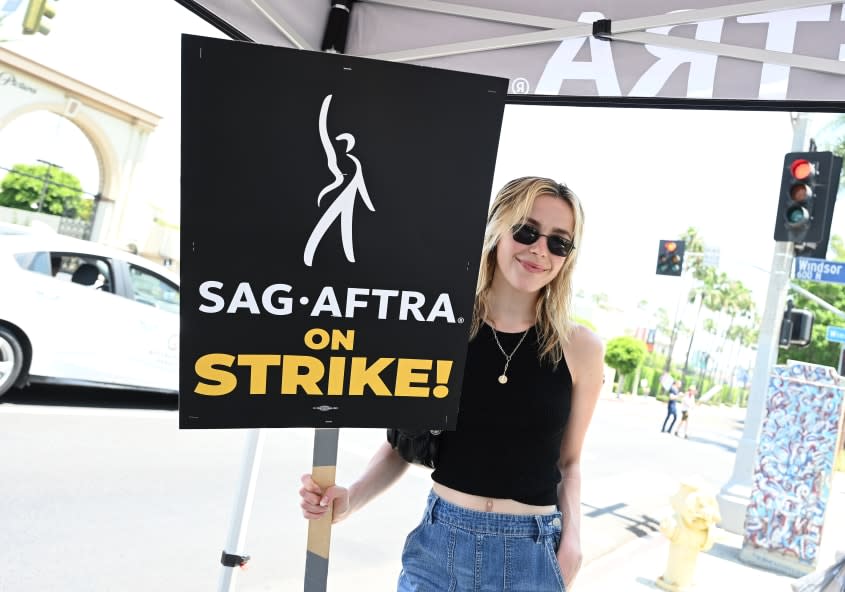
(583, 347)
(583, 340)
(584, 353)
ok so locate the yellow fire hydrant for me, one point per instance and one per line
(691, 529)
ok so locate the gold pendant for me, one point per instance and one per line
(503, 379)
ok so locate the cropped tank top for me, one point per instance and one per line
(507, 440)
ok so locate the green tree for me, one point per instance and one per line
(832, 137)
(58, 192)
(624, 354)
(820, 350)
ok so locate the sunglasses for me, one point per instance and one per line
(525, 234)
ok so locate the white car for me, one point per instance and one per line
(77, 312)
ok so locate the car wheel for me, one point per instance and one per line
(11, 360)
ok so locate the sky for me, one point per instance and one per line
(643, 175)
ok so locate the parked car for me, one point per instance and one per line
(77, 312)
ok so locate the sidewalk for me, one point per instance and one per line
(636, 566)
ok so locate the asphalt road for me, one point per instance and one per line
(100, 491)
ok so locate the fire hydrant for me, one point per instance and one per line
(691, 529)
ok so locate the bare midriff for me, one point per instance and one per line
(488, 504)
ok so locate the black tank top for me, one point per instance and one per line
(507, 440)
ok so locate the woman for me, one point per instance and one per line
(504, 510)
(687, 405)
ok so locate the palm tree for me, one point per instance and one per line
(737, 302)
(707, 279)
(694, 252)
(693, 262)
(746, 336)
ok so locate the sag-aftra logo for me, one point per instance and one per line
(344, 204)
(280, 299)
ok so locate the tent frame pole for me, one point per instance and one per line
(630, 30)
(282, 25)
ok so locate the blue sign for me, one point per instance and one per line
(10, 6)
(819, 270)
(836, 334)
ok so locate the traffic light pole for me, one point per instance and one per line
(736, 493)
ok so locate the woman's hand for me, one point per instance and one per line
(569, 558)
(316, 502)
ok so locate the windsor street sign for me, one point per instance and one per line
(819, 270)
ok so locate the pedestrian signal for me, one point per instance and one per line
(796, 327)
(670, 257)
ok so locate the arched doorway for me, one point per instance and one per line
(116, 130)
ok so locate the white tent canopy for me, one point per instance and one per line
(768, 49)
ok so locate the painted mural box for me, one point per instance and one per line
(794, 466)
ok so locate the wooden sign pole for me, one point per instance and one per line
(320, 531)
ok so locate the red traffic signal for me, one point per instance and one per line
(670, 257)
(801, 169)
(809, 183)
(803, 173)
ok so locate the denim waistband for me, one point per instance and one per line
(491, 523)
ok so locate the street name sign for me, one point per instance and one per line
(836, 334)
(711, 256)
(819, 270)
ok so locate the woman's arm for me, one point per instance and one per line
(383, 470)
(585, 358)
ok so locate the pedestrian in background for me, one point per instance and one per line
(687, 404)
(672, 406)
(505, 506)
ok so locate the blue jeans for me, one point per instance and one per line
(672, 411)
(455, 549)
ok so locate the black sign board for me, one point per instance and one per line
(333, 210)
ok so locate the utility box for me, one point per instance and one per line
(794, 465)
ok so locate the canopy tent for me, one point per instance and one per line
(767, 49)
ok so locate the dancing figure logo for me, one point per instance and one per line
(344, 204)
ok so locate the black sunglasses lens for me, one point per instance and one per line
(559, 246)
(526, 235)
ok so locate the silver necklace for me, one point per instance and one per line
(504, 377)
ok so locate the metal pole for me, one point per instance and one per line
(676, 327)
(46, 183)
(242, 506)
(735, 494)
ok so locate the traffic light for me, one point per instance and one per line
(36, 11)
(670, 257)
(808, 189)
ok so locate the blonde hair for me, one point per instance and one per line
(510, 208)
